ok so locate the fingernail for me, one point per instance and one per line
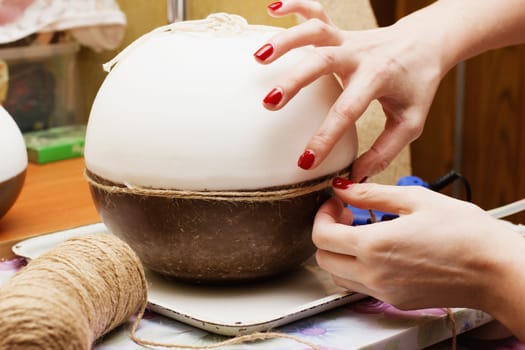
(274, 97)
(341, 183)
(264, 52)
(363, 179)
(275, 5)
(306, 160)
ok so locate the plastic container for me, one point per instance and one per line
(42, 88)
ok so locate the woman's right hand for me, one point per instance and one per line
(396, 65)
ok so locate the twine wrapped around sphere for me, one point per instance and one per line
(262, 195)
(72, 295)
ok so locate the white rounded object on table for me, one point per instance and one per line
(13, 154)
(181, 108)
(13, 161)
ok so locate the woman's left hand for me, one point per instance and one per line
(439, 252)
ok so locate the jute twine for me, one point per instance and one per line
(72, 295)
(453, 327)
(232, 341)
(232, 196)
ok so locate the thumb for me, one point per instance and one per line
(397, 134)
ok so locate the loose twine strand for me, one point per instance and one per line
(82, 289)
(232, 196)
(453, 327)
(215, 22)
(232, 341)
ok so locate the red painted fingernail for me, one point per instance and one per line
(306, 160)
(275, 5)
(341, 183)
(363, 179)
(264, 52)
(274, 97)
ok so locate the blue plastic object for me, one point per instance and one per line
(412, 181)
(362, 216)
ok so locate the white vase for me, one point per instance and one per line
(13, 161)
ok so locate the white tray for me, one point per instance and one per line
(232, 310)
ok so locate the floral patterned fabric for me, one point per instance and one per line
(366, 324)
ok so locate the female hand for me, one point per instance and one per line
(394, 65)
(440, 252)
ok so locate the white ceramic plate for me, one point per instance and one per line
(232, 310)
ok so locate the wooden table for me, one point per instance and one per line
(55, 196)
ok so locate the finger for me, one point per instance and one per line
(385, 148)
(346, 217)
(399, 200)
(340, 265)
(333, 211)
(331, 230)
(352, 285)
(346, 271)
(335, 237)
(307, 9)
(312, 32)
(350, 105)
(305, 72)
(330, 236)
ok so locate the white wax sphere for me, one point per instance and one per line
(182, 109)
(13, 154)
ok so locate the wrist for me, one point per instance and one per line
(428, 39)
(503, 286)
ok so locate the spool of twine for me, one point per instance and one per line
(72, 295)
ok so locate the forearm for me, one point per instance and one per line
(460, 29)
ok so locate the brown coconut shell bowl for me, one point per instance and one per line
(9, 191)
(213, 237)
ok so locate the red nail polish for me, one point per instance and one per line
(264, 52)
(306, 160)
(275, 5)
(274, 97)
(341, 183)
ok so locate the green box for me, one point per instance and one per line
(56, 143)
